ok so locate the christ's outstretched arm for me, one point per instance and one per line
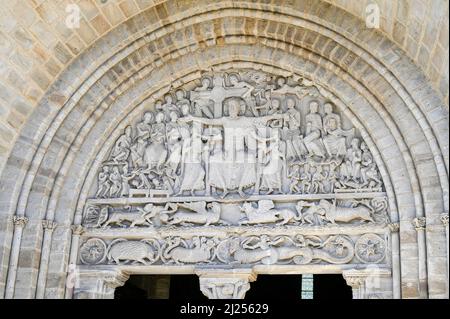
(200, 120)
(272, 117)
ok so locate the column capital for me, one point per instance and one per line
(98, 283)
(225, 284)
(354, 279)
(20, 221)
(49, 224)
(394, 227)
(444, 219)
(117, 279)
(419, 223)
(77, 229)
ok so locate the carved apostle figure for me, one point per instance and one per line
(192, 171)
(156, 153)
(351, 168)
(272, 172)
(292, 122)
(314, 130)
(137, 152)
(169, 106)
(182, 101)
(116, 182)
(144, 128)
(174, 142)
(121, 149)
(103, 182)
(369, 173)
(329, 115)
(335, 140)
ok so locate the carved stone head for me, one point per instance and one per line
(290, 103)
(328, 108)
(233, 78)
(148, 117)
(314, 107)
(168, 98)
(173, 116)
(158, 105)
(281, 81)
(180, 95)
(160, 117)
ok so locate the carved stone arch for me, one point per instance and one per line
(46, 174)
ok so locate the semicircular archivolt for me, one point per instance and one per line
(24, 203)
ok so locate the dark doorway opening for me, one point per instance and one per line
(269, 287)
(144, 287)
(185, 287)
(275, 287)
(131, 290)
(331, 287)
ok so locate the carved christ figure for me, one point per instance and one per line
(239, 131)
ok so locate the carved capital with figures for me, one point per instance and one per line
(419, 223)
(394, 227)
(224, 288)
(20, 221)
(49, 225)
(116, 280)
(77, 230)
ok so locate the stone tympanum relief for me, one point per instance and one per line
(239, 134)
(240, 169)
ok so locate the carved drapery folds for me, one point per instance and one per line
(239, 134)
(243, 169)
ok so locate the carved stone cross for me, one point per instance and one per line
(218, 94)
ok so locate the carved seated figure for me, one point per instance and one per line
(169, 106)
(156, 152)
(351, 168)
(314, 129)
(182, 101)
(144, 128)
(103, 182)
(369, 173)
(335, 140)
(121, 149)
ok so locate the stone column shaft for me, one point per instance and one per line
(420, 225)
(77, 231)
(444, 219)
(19, 224)
(396, 266)
(48, 226)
